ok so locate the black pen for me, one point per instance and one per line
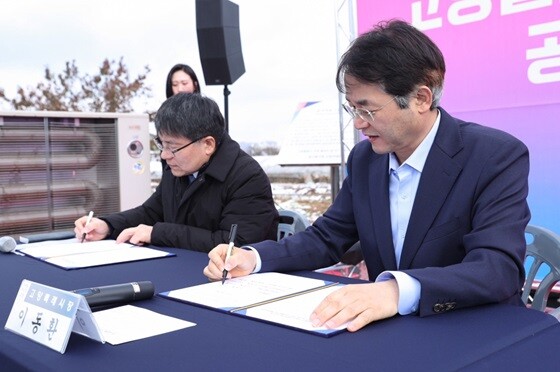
(232, 233)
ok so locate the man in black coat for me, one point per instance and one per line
(208, 184)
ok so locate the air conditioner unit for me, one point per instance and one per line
(57, 166)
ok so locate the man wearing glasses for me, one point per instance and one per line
(437, 204)
(209, 184)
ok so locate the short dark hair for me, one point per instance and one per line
(187, 70)
(398, 57)
(190, 115)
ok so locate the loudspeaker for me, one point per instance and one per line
(219, 41)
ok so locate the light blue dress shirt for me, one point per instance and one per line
(403, 184)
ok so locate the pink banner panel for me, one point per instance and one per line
(499, 54)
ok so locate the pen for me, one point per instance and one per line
(232, 234)
(89, 217)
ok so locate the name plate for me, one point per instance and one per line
(49, 315)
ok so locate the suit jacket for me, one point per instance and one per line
(232, 188)
(465, 241)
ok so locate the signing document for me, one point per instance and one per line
(281, 299)
(71, 254)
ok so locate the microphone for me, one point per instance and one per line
(7, 244)
(117, 293)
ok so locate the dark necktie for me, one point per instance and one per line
(191, 179)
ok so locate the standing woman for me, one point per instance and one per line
(181, 79)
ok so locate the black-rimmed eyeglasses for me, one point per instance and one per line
(364, 114)
(163, 148)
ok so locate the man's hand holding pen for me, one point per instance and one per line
(242, 262)
(92, 228)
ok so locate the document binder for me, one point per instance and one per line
(275, 298)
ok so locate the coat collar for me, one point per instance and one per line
(380, 210)
(438, 177)
(223, 159)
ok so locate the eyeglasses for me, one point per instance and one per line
(162, 148)
(364, 114)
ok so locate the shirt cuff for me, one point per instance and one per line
(409, 290)
(257, 255)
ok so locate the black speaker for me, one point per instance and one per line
(219, 41)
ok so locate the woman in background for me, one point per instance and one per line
(181, 79)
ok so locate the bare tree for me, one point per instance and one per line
(110, 90)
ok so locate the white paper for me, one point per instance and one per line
(294, 311)
(71, 255)
(49, 242)
(274, 297)
(245, 290)
(130, 323)
(51, 249)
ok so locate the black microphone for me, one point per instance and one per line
(117, 294)
(7, 244)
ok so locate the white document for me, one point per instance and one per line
(72, 254)
(49, 242)
(130, 323)
(274, 297)
(247, 290)
(294, 311)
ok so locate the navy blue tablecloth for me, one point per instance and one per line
(477, 338)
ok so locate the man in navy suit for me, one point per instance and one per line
(438, 204)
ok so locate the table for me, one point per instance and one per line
(481, 338)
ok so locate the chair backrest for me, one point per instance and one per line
(544, 250)
(290, 223)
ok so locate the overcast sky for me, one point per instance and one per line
(289, 50)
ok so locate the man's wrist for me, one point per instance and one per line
(408, 288)
(258, 262)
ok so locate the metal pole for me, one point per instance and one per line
(226, 113)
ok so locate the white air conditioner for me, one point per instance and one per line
(57, 166)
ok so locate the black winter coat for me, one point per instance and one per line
(233, 188)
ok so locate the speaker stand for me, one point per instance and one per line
(226, 114)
